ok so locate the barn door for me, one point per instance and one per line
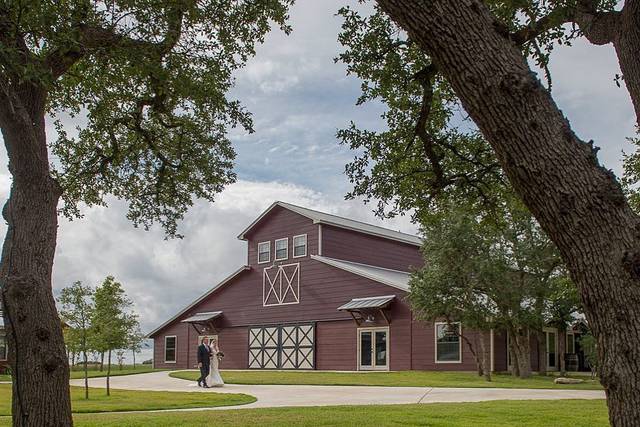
(282, 347)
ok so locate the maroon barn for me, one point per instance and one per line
(320, 292)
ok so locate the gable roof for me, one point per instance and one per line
(386, 276)
(202, 297)
(337, 221)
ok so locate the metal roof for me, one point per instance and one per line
(324, 218)
(202, 297)
(368, 302)
(203, 317)
(394, 278)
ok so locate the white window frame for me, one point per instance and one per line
(373, 331)
(175, 349)
(554, 331)
(294, 245)
(275, 249)
(435, 342)
(268, 252)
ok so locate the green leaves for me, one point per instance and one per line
(152, 77)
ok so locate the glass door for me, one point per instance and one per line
(373, 349)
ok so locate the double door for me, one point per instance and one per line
(282, 347)
(373, 349)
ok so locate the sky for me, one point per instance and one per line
(299, 97)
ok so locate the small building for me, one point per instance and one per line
(321, 292)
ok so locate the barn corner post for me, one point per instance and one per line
(577, 202)
(37, 355)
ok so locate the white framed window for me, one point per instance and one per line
(282, 249)
(170, 345)
(264, 252)
(4, 350)
(299, 245)
(448, 343)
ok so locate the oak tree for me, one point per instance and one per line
(481, 49)
(151, 79)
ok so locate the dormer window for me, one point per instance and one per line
(264, 252)
(282, 249)
(300, 246)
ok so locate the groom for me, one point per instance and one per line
(203, 363)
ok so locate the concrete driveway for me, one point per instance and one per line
(270, 396)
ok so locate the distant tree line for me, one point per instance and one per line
(99, 321)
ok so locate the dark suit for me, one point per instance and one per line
(203, 360)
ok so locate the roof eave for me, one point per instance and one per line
(359, 273)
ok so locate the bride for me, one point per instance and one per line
(214, 379)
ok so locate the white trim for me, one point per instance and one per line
(435, 342)
(373, 330)
(288, 283)
(275, 249)
(340, 222)
(320, 239)
(269, 252)
(197, 301)
(175, 348)
(293, 244)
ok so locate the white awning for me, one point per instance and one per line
(203, 317)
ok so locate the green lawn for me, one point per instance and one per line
(77, 372)
(125, 400)
(398, 379)
(573, 413)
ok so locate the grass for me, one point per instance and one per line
(574, 413)
(77, 372)
(396, 379)
(94, 372)
(128, 400)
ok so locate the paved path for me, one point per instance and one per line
(270, 396)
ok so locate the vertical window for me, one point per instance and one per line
(448, 343)
(282, 249)
(170, 349)
(300, 246)
(3, 347)
(264, 252)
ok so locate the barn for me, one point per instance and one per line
(320, 292)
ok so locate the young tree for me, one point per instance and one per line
(481, 49)
(135, 341)
(111, 321)
(77, 311)
(151, 78)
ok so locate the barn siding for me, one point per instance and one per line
(367, 249)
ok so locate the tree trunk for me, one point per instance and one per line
(108, 373)
(101, 361)
(513, 352)
(562, 340)
(134, 359)
(37, 353)
(627, 45)
(486, 356)
(541, 339)
(474, 353)
(578, 203)
(523, 348)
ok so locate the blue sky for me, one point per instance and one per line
(299, 97)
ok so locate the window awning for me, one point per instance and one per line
(203, 317)
(367, 303)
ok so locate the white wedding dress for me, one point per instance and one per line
(214, 379)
